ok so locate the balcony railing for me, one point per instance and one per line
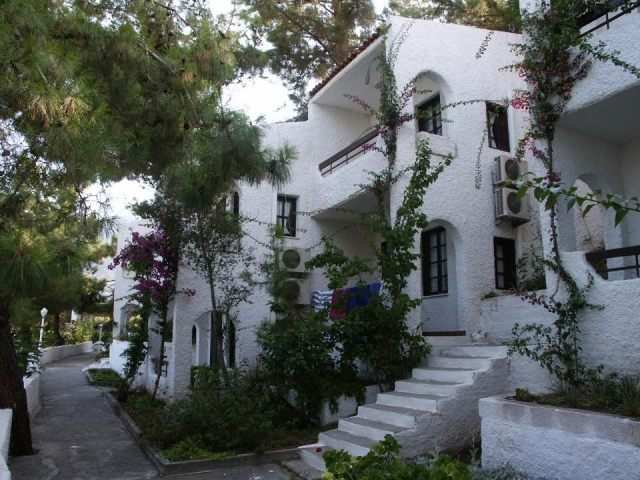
(604, 10)
(599, 261)
(349, 153)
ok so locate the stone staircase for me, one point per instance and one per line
(435, 409)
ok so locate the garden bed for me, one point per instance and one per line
(103, 377)
(140, 415)
(559, 443)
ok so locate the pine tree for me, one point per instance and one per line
(308, 37)
(503, 15)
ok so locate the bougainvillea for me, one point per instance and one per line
(153, 259)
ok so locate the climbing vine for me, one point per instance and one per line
(553, 58)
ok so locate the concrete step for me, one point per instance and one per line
(415, 401)
(451, 361)
(398, 416)
(303, 470)
(353, 444)
(458, 375)
(364, 427)
(312, 455)
(475, 351)
(427, 387)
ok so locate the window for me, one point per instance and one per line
(434, 262)
(504, 250)
(429, 116)
(286, 217)
(236, 203)
(498, 127)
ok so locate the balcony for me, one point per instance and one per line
(351, 152)
(617, 24)
(343, 176)
(605, 13)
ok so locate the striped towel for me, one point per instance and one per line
(321, 299)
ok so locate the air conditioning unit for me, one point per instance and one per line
(292, 260)
(510, 207)
(295, 291)
(508, 169)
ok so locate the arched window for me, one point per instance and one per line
(435, 278)
(236, 203)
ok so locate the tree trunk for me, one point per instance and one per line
(12, 393)
(56, 330)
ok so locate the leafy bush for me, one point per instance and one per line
(222, 416)
(377, 336)
(298, 355)
(383, 462)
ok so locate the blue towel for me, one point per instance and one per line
(360, 296)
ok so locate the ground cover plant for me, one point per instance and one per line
(221, 417)
(101, 377)
(383, 462)
(618, 395)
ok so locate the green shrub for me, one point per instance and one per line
(104, 378)
(383, 462)
(235, 412)
(299, 355)
(190, 449)
(377, 336)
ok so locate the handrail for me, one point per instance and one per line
(348, 153)
(604, 11)
(598, 260)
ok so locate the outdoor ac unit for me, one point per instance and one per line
(295, 291)
(292, 260)
(511, 207)
(507, 169)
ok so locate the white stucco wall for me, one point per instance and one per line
(5, 437)
(558, 444)
(447, 53)
(330, 128)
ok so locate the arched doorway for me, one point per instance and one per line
(589, 225)
(439, 279)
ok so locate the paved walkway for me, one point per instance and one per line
(78, 437)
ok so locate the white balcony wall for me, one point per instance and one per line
(605, 79)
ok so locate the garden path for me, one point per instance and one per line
(78, 437)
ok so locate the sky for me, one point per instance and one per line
(264, 97)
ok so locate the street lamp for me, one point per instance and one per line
(43, 314)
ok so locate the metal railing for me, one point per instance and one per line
(599, 260)
(347, 154)
(605, 10)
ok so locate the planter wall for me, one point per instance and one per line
(5, 435)
(32, 387)
(54, 354)
(559, 443)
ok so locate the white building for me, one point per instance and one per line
(464, 287)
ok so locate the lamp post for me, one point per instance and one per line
(43, 314)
